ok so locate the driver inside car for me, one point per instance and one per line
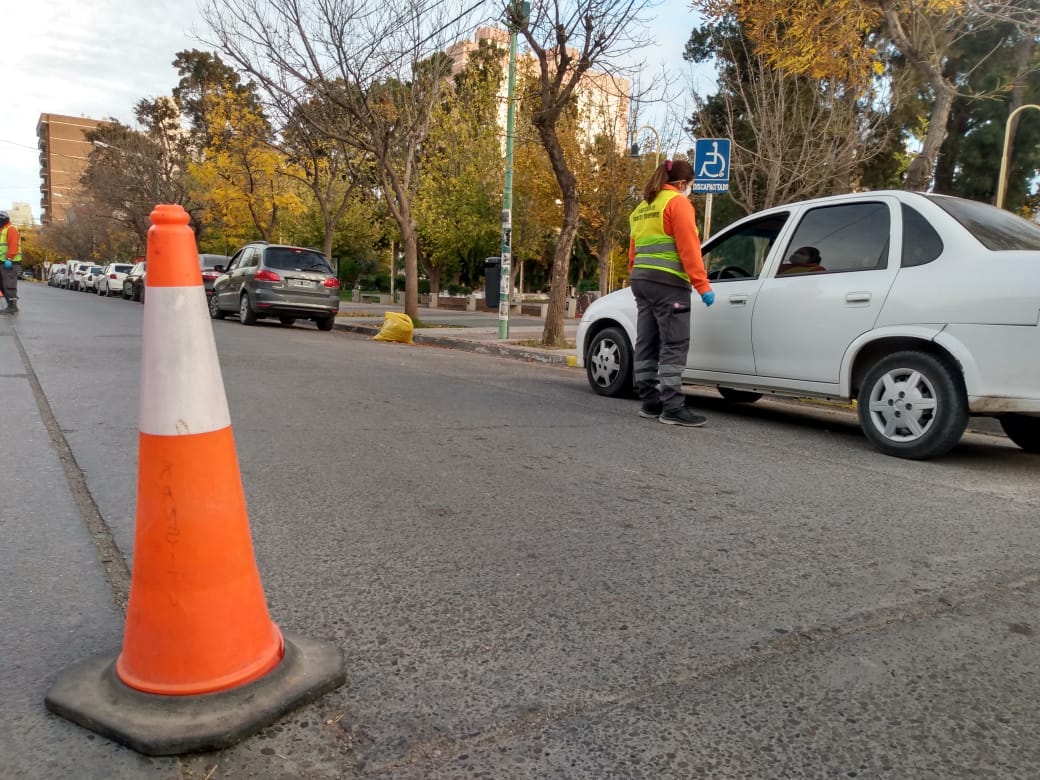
(805, 260)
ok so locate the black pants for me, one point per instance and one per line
(662, 341)
(9, 281)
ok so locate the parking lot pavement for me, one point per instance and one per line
(478, 332)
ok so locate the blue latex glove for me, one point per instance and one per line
(708, 298)
(7, 263)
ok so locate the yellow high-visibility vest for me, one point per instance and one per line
(655, 249)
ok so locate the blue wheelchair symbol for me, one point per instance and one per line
(712, 159)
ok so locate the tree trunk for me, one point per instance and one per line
(411, 271)
(919, 174)
(553, 335)
(603, 263)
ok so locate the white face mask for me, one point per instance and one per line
(689, 188)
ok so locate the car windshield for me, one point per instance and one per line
(123, 269)
(995, 228)
(212, 261)
(287, 259)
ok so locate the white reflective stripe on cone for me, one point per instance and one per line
(182, 390)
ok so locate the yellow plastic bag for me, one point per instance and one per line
(396, 327)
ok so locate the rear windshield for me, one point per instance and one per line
(995, 228)
(122, 269)
(288, 259)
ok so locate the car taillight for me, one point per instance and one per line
(267, 276)
(112, 276)
(332, 283)
(210, 274)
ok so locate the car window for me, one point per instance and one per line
(840, 239)
(921, 244)
(250, 258)
(740, 254)
(291, 259)
(995, 228)
(123, 269)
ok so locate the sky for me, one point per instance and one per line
(98, 58)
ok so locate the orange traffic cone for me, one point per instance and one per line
(194, 577)
(202, 664)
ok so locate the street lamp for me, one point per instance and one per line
(657, 142)
(1006, 154)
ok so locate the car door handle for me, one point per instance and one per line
(857, 297)
(738, 300)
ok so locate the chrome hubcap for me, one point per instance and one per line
(605, 363)
(903, 405)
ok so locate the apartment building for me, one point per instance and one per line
(602, 97)
(64, 150)
(20, 214)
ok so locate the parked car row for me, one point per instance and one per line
(74, 275)
(261, 280)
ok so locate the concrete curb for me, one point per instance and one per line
(530, 354)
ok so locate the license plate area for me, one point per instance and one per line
(306, 284)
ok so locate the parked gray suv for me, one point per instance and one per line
(270, 280)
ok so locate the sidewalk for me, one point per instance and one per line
(472, 331)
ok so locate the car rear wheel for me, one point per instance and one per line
(913, 405)
(325, 323)
(214, 308)
(286, 320)
(246, 315)
(1022, 430)
(608, 364)
(739, 396)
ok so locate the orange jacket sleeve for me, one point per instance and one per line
(13, 239)
(680, 222)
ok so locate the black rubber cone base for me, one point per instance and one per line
(91, 695)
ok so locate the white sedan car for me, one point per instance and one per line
(111, 280)
(924, 309)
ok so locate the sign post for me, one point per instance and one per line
(710, 173)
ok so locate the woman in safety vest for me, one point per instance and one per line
(664, 260)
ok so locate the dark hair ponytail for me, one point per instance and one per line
(668, 171)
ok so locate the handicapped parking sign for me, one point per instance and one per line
(711, 165)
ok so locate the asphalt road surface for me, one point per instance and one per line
(528, 580)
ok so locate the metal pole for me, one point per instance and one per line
(1006, 154)
(393, 255)
(707, 217)
(504, 288)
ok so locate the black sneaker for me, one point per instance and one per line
(650, 409)
(682, 416)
